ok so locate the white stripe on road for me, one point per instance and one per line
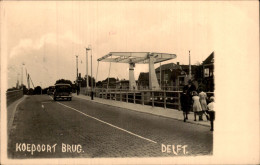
(108, 124)
(47, 102)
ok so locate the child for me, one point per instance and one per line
(211, 112)
(196, 105)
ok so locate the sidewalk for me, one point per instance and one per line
(159, 111)
(11, 109)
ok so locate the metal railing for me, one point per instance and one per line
(12, 96)
(162, 98)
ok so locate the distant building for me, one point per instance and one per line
(208, 72)
(111, 81)
(172, 77)
(183, 74)
(123, 84)
(143, 80)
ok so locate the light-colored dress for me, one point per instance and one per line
(203, 101)
(196, 104)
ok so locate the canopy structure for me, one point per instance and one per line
(133, 58)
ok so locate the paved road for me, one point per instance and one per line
(81, 128)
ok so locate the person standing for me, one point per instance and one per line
(190, 89)
(211, 112)
(203, 103)
(78, 89)
(185, 104)
(196, 104)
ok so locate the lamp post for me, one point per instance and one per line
(77, 68)
(92, 94)
(87, 49)
(22, 75)
(77, 77)
(189, 67)
(17, 86)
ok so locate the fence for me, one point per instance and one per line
(12, 96)
(166, 99)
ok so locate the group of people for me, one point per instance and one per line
(196, 101)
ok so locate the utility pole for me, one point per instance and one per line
(77, 68)
(160, 75)
(87, 49)
(77, 78)
(189, 67)
(92, 94)
(22, 75)
(91, 72)
(27, 78)
(17, 86)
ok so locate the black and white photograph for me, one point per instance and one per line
(107, 82)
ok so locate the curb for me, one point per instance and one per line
(13, 106)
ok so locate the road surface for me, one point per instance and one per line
(43, 128)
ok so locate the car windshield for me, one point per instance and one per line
(63, 88)
(51, 88)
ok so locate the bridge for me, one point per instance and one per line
(133, 58)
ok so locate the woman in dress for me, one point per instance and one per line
(196, 104)
(203, 103)
(185, 104)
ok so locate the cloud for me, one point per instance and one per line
(46, 59)
(155, 27)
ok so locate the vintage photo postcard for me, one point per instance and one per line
(129, 82)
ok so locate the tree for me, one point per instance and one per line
(30, 91)
(63, 81)
(198, 75)
(89, 81)
(44, 91)
(25, 90)
(37, 90)
(99, 84)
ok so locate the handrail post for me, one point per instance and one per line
(126, 97)
(164, 96)
(152, 98)
(110, 95)
(134, 96)
(120, 95)
(142, 97)
(179, 102)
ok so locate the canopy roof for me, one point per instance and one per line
(136, 57)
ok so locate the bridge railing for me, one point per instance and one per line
(12, 96)
(162, 98)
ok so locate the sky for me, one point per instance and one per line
(47, 36)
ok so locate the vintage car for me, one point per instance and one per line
(62, 91)
(50, 90)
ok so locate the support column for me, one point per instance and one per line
(132, 83)
(153, 82)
